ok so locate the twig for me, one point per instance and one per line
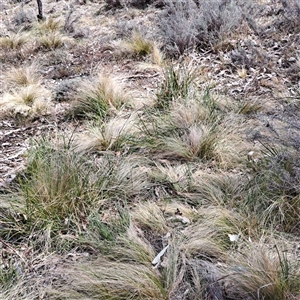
(11, 248)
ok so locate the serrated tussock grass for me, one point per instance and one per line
(53, 40)
(178, 82)
(266, 273)
(100, 97)
(137, 46)
(149, 217)
(117, 279)
(31, 100)
(113, 135)
(211, 142)
(61, 189)
(14, 42)
(23, 76)
(58, 187)
(48, 25)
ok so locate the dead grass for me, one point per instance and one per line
(112, 135)
(137, 46)
(23, 76)
(48, 25)
(29, 101)
(149, 217)
(53, 40)
(105, 278)
(14, 42)
(266, 274)
(101, 96)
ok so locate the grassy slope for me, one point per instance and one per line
(115, 147)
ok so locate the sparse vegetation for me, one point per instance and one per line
(152, 153)
(184, 25)
(128, 3)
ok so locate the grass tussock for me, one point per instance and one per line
(53, 40)
(100, 97)
(14, 42)
(61, 193)
(23, 76)
(108, 278)
(58, 187)
(165, 138)
(266, 274)
(29, 101)
(137, 46)
(178, 83)
(48, 25)
(148, 216)
(114, 135)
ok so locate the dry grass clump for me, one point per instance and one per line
(137, 46)
(283, 213)
(217, 188)
(149, 216)
(112, 135)
(57, 187)
(130, 178)
(132, 246)
(23, 76)
(200, 242)
(261, 272)
(182, 265)
(188, 124)
(48, 34)
(158, 56)
(106, 279)
(14, 42)
(60, 194)
(124, 272)
(188, 113)
(48, 25)
(29, 101)
(53, 40)
(201, 108)
(174, 178)
(209, 237)
(198, 141)
(101, 96)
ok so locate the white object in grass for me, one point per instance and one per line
(233, 237)
(157, 260)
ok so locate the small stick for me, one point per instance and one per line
(11, 248)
